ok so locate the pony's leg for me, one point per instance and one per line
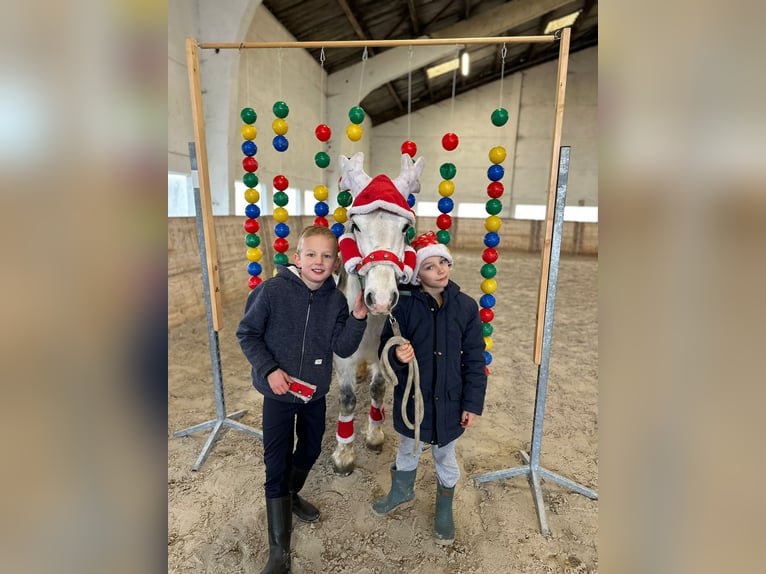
(343, 455)
(377, 417)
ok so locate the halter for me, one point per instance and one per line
(356, 264)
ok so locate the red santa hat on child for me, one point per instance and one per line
(427, 245)
(381, 193)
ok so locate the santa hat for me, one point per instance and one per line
(381, 193)
(427, 245)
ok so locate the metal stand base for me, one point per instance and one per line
(218, 425)
(532, 468)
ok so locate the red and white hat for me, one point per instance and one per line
(427, 245)
(381, 193)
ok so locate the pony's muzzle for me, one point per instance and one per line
(378, 306)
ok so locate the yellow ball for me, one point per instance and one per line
(354, 132)
(488, 286)
(492, 223)
(252, 195)
(446, 188)
(320, 193)
(497, 154)
(280, 214)
(249, 132)
(340, 214)
(254, 254)
(487, 343)
(279, 126)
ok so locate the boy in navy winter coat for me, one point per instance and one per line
(443, 329)
(293, 323)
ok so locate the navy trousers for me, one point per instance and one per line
(282, 423)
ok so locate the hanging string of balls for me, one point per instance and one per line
(252, 211)
(280, 183)
(445, 205)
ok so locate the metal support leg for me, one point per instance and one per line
(221, 421)
(532, 467)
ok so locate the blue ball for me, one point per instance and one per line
(487, 357)
(487, 301)
(337, 229)
(254, 268)
(446, 205)
(281, 230)
(252, 210)
(495, 172)
(491, 239)
(249, 148)
(321, 208)
(279, 143)
(411, 200)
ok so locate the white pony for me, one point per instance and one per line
(376, 258)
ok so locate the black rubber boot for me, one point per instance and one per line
(402, 490)
(280, 523)
(302, 509)
(444, 525)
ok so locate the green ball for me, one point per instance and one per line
(356, 115)
(280, 109)
(281, 199)
(345, 198)
(322, 159)
(443, 236)
(410, 234)
(280, 259)
(248, 115)
(250, 179)
(494, 206)
(448, 170)
(500, 117)
(252, 240)
(488, 271)
(486, 329)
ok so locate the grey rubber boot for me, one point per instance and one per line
(444, 525)
(280, 521)
(402, 490)
(302, 509)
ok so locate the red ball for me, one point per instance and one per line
(489, 255)
(250, 164)
(251, 225)
(280, 182)
(449, 141)
(323, 132)
(254, 281)
(281, 245)
(410, 148)
(487, 315)
(321, 221)
(495, 189)
(486, 370)
(444, 221)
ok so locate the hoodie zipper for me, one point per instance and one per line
(305, 329)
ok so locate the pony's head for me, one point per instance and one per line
(375, 248)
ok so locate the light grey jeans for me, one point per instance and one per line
(445, 460)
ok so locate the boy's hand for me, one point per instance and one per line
(467, 419)
(405, 353)
(360, 309)
(279, 381)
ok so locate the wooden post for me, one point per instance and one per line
(198, 119)
(558, 121)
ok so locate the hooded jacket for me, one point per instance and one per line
(449, 347)
(286, 325)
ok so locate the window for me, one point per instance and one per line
(180, 195)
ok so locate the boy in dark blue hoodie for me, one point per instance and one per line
(293, 323)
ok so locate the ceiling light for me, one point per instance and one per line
(465, 64)
(442, 68)
(563, 22)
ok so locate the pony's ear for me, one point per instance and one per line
(408, 180)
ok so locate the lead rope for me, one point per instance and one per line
(413, 378)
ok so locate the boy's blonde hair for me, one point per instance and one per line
(318, 230)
